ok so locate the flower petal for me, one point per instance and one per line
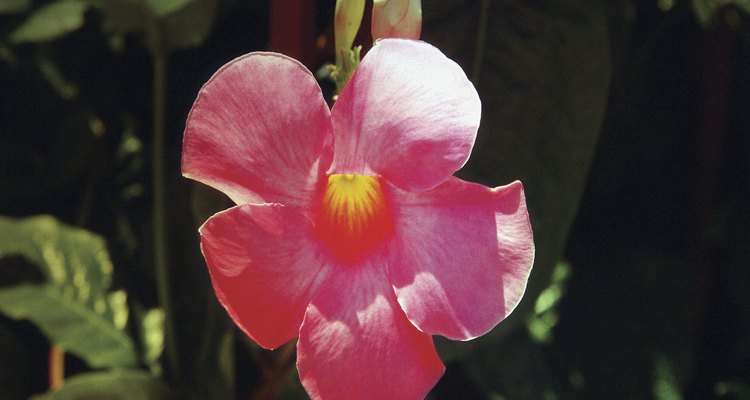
(356, 343)
(408, 114)
(257, 131)
(462, 256)
(264, 268)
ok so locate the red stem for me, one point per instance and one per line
(56, 367)
(293, 29)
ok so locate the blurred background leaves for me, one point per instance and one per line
(111, 385)
(50, 22)
(626, 121)
(542, 71)
(73, 307)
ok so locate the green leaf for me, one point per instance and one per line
(542, 70)
(67, 255)
(68, 323)
(666, 386)
(14, 6)
(180, 23)
(705, 10)
(122, 16)
(190, 25)
(152, 337)
(545, 316)
(737, 390)
(74, 308)
(49, 68)
(206, 334)
(516, 368)
(111, 385)
(163, 8)
(50, 22)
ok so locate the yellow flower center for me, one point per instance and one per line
(354, 217)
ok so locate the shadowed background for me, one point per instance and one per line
(627, 122)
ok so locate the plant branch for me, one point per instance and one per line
(161, 260)
(56, 367)
(479, 47)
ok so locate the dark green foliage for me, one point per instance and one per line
(118, 384)
(626, 121)
(542, 72)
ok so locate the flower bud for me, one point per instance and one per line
(348, 19)
(396, 19)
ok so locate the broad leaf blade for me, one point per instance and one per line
(70, 324)
(123, 16)
(181, 23)
(50, 22)
(111, 385)
(74, 308)
(190, 25)
(542, 74)
(60, 251)
(163, 8)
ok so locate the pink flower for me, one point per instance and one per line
(350, 232)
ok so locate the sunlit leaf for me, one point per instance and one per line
(74, 308)
(545, 316)
(152, 337)
(111, 385)
(165, 7)
(50, 22)
(549, 297)
(666, 386)
(70, 324)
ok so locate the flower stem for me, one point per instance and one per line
(479, 48)
(274, 369)
(161, 261)
(56, 367)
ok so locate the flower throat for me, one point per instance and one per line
(354, 217)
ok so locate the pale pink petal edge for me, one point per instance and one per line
(458, 273)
